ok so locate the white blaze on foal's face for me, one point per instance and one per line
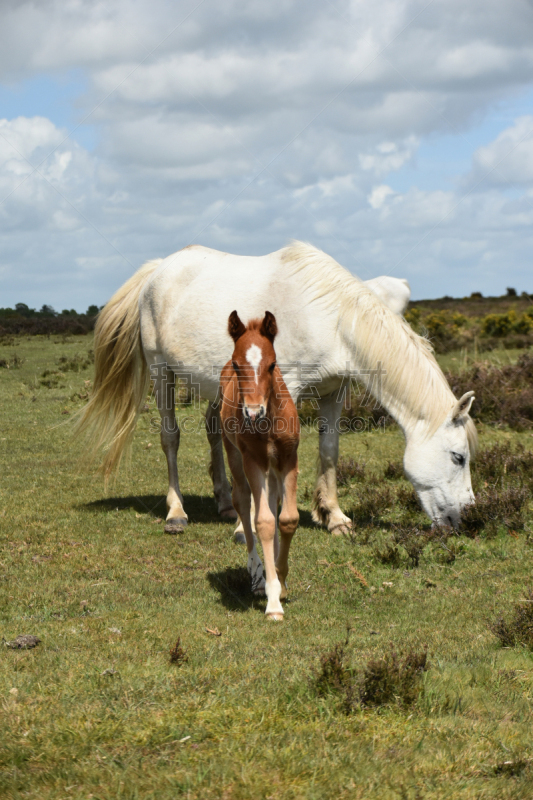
(253, 356)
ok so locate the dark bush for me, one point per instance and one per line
(407, 498)
(501, 461)
(373, 501)
(334, 677)
(504, 395)
(388, 553)
(349, 470)
(393, 471)
(518, 629)
(393, 678)
(413, 540)
(495, 507)
(177, 654)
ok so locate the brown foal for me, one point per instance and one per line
(261, 433)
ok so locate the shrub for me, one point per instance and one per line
(334, 677)
(177, 654)
(393, 678)
(501, 461)
(504, 395)
(492, 507)
(373, 501)
(518, 629)
(503, 324)
(349, 470)
(15, 362)
(394, 471)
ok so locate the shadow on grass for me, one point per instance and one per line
(235, 588)
(198, 508)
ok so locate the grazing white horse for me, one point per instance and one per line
(170, 319)
(394, 292)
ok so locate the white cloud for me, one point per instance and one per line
(389, 156)
(508, 159)
(244, 124)
(378, 195)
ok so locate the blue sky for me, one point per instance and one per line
(396, 136)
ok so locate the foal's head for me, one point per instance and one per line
(254, 361)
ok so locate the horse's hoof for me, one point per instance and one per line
(239, 538)
(341, 530)
(175, 525)
(275, 616)
(229, 513)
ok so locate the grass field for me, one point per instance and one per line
(99, 710)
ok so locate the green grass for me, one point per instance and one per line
(95, 713)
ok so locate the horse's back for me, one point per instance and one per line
(186, 303)
(394, 292)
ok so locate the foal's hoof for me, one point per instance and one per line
(239, 537)
(175, 525)
(229, 513)
(275, 616)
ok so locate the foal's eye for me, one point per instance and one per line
(458, 459)
(272, 367)
(235, 366)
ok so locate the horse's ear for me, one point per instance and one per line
(269, 327)
(236, 327)
(462, 407)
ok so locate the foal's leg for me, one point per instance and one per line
(326, 505)
(164, 385)
(288, 520)
(274, 496)
(265, 525)
(221, 487)
(242, 500)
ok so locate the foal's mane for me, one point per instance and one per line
(254, 325)
(411, 372)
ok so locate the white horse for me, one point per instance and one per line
(394, 292)
(170, 319)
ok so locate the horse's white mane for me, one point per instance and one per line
(411, 372)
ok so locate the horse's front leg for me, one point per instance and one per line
(221, 487)
(326, 505)
(265, 525)
(164, 386)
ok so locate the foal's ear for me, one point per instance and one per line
(236, 327)
(269, 327)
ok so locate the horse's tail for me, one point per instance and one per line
(121, 374)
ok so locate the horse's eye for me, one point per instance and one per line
(458, 459)
(235, 366)
(272, 367)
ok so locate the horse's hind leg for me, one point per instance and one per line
(242, 500)
(326, 505)
(221, 487)
(164, 386)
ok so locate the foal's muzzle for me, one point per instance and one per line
(254, 413)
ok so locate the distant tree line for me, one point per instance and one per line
(46, 311)
(25, 320)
